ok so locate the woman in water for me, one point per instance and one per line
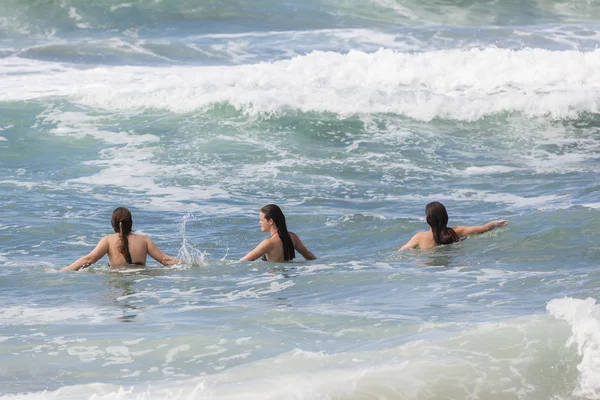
(123, 246)
(281, 244)
(440, 233)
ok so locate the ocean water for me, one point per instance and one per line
(352, 116)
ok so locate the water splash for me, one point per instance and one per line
(584, 318)
(188, 254)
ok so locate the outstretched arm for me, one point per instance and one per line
(411, 244)
(85, 261)
(298, 245)
(473, 230)
(158, 255)
(257, 252)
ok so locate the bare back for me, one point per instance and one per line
(425, 240)
(139, 247)
(275, 248)
(272, 249)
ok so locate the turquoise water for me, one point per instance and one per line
(351, 116)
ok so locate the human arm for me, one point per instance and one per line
(298, 245)
(158, 255)
(462, 231)
(258, 251)
(96, 254)
(411, 244)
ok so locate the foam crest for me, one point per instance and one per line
(584, 318)
(21, 315)
(452, 84)
(488, 170)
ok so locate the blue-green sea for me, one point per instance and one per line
(351, 116)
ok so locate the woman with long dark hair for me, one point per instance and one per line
(281, 244)
(439, 232)
(123, 247)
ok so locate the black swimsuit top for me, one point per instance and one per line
(124, 265)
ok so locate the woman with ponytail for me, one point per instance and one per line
(281, 244)
(439, 232)
(123, 247)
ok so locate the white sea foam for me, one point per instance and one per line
(130, 164)
(433, 16)
(488, 170)
(122, 5)
(28, 185)
(79, 125)
(22, 315)
(584, 318)
(455, 367)
(254, 292)
(541, 202)
(454, 84)
(545, 202)
(544, 163)
(123, 46)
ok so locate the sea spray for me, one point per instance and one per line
(188, 254)
(584, 318)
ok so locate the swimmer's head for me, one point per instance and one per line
(437, 218)
(436, 213)
(272, 212)
(121, 221)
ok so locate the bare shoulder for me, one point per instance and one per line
(295, 238)
(140, 240)
(138, 235)
(271, 241)
(415, 241)
(420, 235)
(112, 238)
(266, 245)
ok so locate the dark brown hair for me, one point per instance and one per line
(272, 211)
(122, 223)
(437, 218)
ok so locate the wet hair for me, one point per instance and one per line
(272, 211)
(437, 218)
(122, 223)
